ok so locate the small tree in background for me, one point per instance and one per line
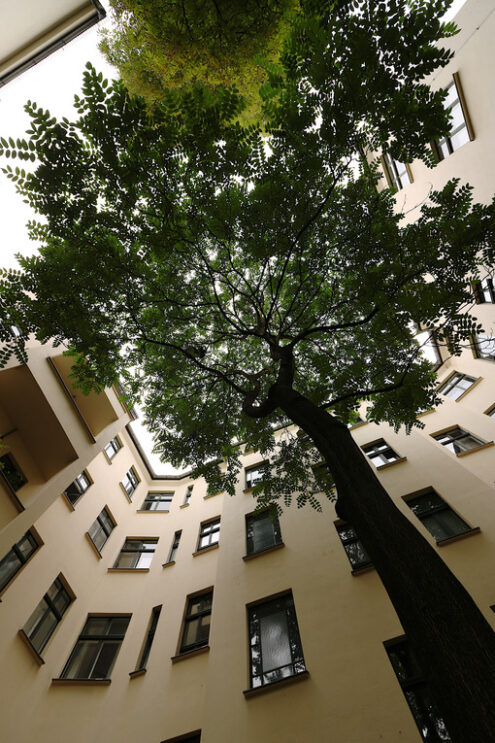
(240, 282)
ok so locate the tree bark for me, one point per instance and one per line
(453, 642)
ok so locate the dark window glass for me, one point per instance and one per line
(175, 546)
(95, 651)
(100, 530)
(112, 448)
(397, 172)
(209, 534)
(157, 502)
(456, 385)
(437, 516)
(12, 472)
(459, 134)
(187, 497)
(358, 557)
(275, 645)
(77, 488)
(155, 615)
(380, 453)
(457, 440)
(43, 621)
(427, 718)
(197, 622)
(136, 553)
(484, 290)
(262, 531)
(16, 557)
(130, 481)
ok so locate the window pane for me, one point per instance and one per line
(35, 618)
(357, 554)
(43, 631)
(96, 626)
(9, 567)
(459, 138)
(81, 662)
(118, 625)
(445, 524)
(425, 503)
(106, 659)
(263, 533)
(191, 631)
(99, 538)
(275, 640)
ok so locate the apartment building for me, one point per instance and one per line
(139, 607)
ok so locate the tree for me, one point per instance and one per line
(242, 282)
(160, 45)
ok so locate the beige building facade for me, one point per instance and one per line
(138, 607)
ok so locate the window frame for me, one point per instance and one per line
(199, 615)
(148, 641)
(134, 479)
(348, 541)
(248, 485)
(102, 528)
(467, 125)
(115, 445)
(22, 479)
(393, 177)
(154, 497)
(82, 484)
(129, 550)
(476, 344)
(31, 534)
(205, 531)
(372, 447)
(449, 384)
(255, 516)
(101, 639)
(174, 547)
(452, 437)
(481, 291)
(441, 507)
(51, 609)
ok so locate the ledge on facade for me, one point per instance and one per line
(425, 412)
(263, 552)
(81, 682)
(363, 569)
(147, 510)
(476, 448)
(137, 672)
(212, 495)
(37, 657)
(475, 384)
(190, 653)
(206, 549)
(93, 545)
(275, 685)
(391, 464)
(185, 505)
(249, 490)
(168, 564)
(467, 533)
(128, 570)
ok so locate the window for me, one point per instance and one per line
(175, 546)
(491, 412)
(48, 614)
(12, 472)
(157, 502)
(460, 125)
(484, 346)
(275, 645)
(456, 385)
(484, 290)
(380, 453)
(255, 474)
(458, 441)
(398, 174)
(188, 495)
(100, 530)
(410, 677)
(429, 347)
(17, 557)
(262, 531)
(130, 481)
(112, 448)
(358, 557)
(209, 534)
(77, 488)
(437, 516)
(197, 622)
(97, 648)
(155, 615)
(136, 553)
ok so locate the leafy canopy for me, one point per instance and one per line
(206, 263)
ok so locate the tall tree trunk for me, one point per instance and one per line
(453, 642)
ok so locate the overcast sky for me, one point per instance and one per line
(52, 84)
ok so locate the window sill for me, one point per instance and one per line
(185, 505)
(190, 653)
(276, 685)
(476, 448)
(475, 383)
(168, 564)
(391, 464)
(81, 682)
(212, 495)
(363, 569)
(462, 535)
(93, 545)
(147, 510)
(249, 490)
(252, 555)
(37, 657)
(206, 549)
(128, 570)
(138, 672)
(425, 412)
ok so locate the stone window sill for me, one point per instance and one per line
(391, 464)
(37, 657)
(128, 570)
(138, 672)
(185, 505)
(190, 654)
(147, 510)
(253, 555)
(206, 549)
(468, 533)
(476, 448)
(168, 564)
(81, 682)
(276, 685)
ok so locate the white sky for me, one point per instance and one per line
(52, 84)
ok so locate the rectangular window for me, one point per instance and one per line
(112, 448)
(196, 630)
(16, 557)
(262, 531)
(437, 516)
(209, 534)
(175, 546)
(426, 716)
(130, 481)
(484, 290)
(48, 614)
(380, 453)
(484, 346)
(459, 127)
(12, 472)
(274, 642)
(456, 385)
(97, 648)
(398, 174)
(136, 553)
(358, 557)
(100, 530)
(255, 474)
(187, 497)
(150, 636)
(458, 441)
(157, 502)
(77, 488)
(491, 412)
